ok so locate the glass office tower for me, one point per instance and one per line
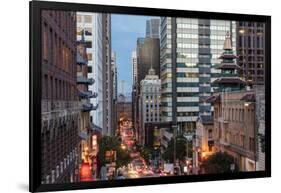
(199, 43)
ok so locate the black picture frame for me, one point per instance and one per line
(35, 95)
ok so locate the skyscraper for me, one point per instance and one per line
(148, 55)
(152, 28)
(196, 45)
(251, 51)
(107, 73)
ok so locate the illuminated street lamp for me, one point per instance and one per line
(241, 31)
(123, 146)
(203, 155)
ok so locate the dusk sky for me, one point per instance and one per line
(124, 33)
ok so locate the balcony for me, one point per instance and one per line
(87, 94)
(85, 80)
(80, 60)
(89, 107)
(83, 135)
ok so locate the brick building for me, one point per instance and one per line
(60, 105)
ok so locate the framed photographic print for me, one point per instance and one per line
(126, 96)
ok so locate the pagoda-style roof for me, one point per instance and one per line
(249, 97)
(228, 56)
(226, 65)
(213, 98)
(206, 119)
(229, 80)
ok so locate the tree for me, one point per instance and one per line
(181, 146)
(219, 163)
(146, 153)
(107, 143)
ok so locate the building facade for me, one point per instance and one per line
(134, 67)
(251, 51)
(149, 102)
(115, 90)
(204, 143)
(124, 108)
(196, 45)
(234, 127)
(107, 71)
(60, 106)
(260, 125)
(91, 24)
(87, 130)
(97, 31)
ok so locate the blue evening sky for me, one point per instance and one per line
(125, 29)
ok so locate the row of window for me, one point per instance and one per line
(54, 88)
(235, 114)
(180, 84)
(181, 114)
(182, 94)
(85, 18)
(187, 25)
(181, 75)
(181, 104)
(251, 41)
(180, 65)
(65, 20)
(56, 52)
(185, 45)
